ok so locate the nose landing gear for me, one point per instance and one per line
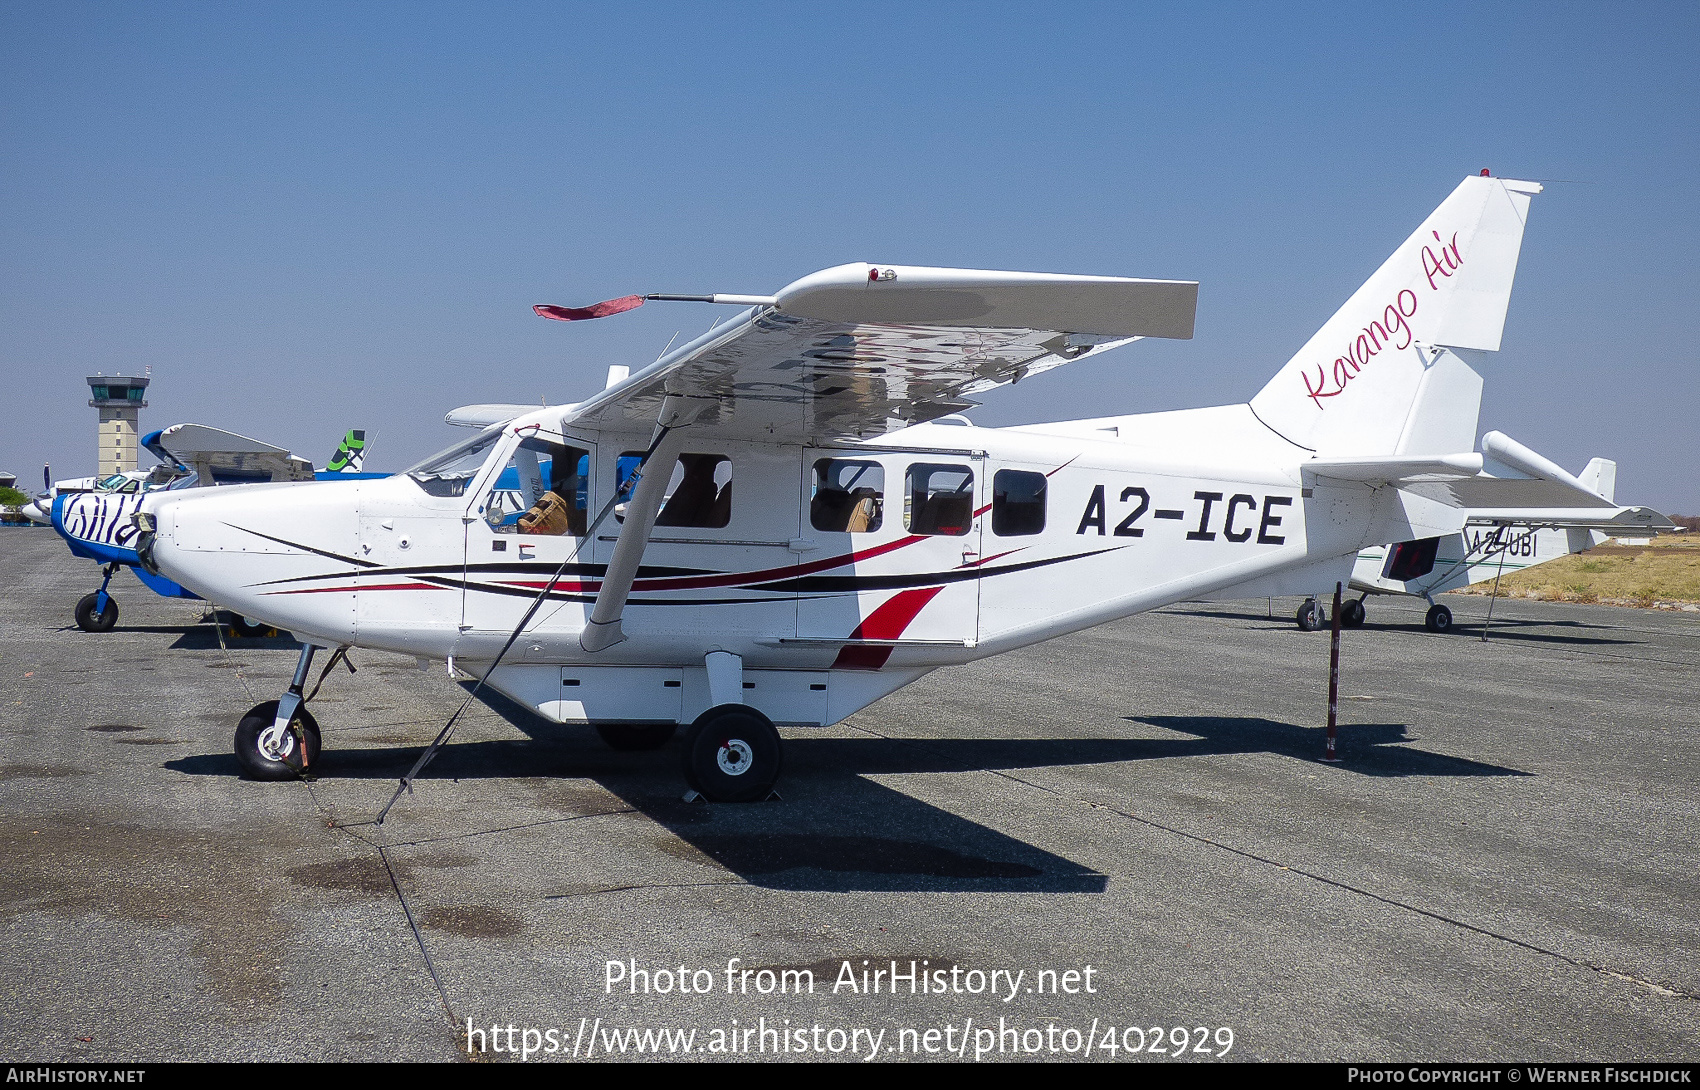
(279, 739)
(98, 612)
(267, 754)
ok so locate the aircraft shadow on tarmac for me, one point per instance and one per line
(1368, 749)
(201, 637)
(832, 829)
(1502, 627)
(837, 830)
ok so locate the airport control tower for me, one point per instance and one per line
(119, 400)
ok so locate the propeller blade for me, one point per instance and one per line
(595, 310)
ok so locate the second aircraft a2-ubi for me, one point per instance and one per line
(785, 520)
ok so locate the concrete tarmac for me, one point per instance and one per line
(1503, 867)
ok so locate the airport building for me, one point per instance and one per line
(120, 401)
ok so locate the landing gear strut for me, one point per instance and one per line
(279, 739)
(98, 612)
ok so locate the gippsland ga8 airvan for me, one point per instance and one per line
(786, 520)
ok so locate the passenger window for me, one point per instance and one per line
(940, 500)
(543, 491)
(1018, 503)
(699, 494)
(849, 496)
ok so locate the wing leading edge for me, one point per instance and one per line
(860, 350)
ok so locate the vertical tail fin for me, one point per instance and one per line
(1601, 476)
(1356, 387)
(349, 454)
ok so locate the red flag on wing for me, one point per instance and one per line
(594, 310)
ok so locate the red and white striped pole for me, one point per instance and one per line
(1332, 756)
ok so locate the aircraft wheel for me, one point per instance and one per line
(243, 626)
(732, 754)
(1439, 619)
(1310, 616)
(90, 621)
(1352, 614)
(280, 766)
(628, 737)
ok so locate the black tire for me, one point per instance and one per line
(90, 621)
(1310, 616)
(258, 766)
(732, 754)
(1439, 619)
(1352, 614)
(242, 626)
(629, 737)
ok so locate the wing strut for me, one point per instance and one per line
(406, 784)
(602, 629)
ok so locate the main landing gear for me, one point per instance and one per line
(732, 754)
(98, 612)
(1439, 618)
(1312, 616)
(247, 626)
(279, 739)
(732, 751)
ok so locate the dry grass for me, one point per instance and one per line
(1666, 572)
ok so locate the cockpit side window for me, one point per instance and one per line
(542, 491)
(849, 496)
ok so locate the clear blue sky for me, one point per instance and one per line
(307, 217)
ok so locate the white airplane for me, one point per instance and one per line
(816, 532)
(1494, 542)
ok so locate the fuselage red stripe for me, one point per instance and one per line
(885, 623)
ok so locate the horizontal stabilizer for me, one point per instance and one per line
(1398, 470)
(1642, 520)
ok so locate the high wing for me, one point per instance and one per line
(482, 416)
(859, 350)
(223, 457)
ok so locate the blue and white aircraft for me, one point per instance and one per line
(94, 515)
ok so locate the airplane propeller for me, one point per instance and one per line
(632, 302)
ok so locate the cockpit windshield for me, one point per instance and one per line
(449, 472)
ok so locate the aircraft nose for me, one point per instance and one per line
(154, 515)
(251, 550)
